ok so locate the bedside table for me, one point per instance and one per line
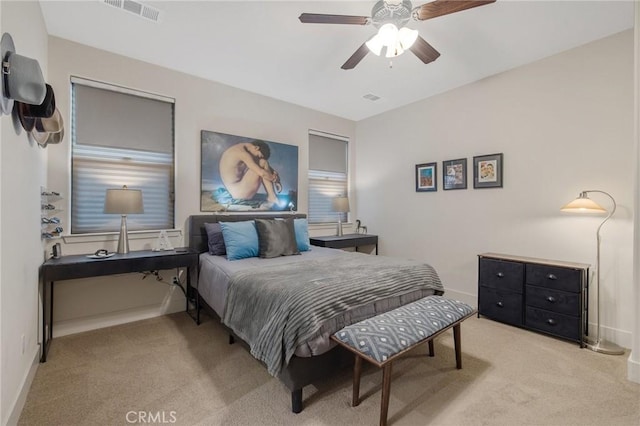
(346, 240)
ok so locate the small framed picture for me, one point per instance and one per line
(487, 171)
(426, 177)
(454, 174)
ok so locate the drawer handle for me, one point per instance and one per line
(499, 275)
(552, 277)
(551, 299)
(551, 321)
(499, 304)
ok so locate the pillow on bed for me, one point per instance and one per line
(215, 239)
(276, 238)
(240, 239)
(301, 227)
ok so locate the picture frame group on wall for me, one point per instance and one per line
(454, 174)
(427, 177)
(487, 173)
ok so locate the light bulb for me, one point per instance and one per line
(407, 37)
(393, 51)
(388, 34)
(375, 45)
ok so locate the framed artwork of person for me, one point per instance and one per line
(240, 173)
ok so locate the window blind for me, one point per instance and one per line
(328, 177)
(120, 139)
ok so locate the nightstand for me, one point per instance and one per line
(345, 241)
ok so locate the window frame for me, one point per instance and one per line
(347, 178)
(75, 236)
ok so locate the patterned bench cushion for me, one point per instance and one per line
(385, 335)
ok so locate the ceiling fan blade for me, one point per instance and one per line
(444, 7)
(356, 57)
(424, 51)
(318, 18)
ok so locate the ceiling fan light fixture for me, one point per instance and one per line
(388, 34)
(407, 37)
(393, 51)
(375, 45)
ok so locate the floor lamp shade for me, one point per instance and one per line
(583, 204)
(340, 205)
(123, 201)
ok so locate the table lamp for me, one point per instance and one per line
(583, 204)
(123, 201)
(340, 205)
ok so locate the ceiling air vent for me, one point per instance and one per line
(371, 97)
(136, 8)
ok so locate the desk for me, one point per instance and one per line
(346, 240)
(81, 266)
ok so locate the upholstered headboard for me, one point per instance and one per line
(197, 235)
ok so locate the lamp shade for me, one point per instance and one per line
(123, 201)
(340, 204)
(375, 45)
(583, 204)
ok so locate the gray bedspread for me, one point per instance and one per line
(277, 308)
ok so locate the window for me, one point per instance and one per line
(328, 177)
(120, 137)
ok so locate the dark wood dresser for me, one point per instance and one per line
(548, 296)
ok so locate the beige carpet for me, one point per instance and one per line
(185, 374)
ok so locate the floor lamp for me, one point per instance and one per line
(583, 204)
(123, 201)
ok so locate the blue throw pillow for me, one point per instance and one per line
(301, 227)
(240, 239)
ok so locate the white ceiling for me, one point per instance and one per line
(261, 46)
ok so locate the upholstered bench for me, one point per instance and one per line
(383, 338)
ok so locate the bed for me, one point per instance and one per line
(304, 299)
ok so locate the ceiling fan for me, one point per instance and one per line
(390, 17)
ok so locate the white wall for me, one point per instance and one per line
(23, 170)
(564, 124)
(200, 105)
(633, 363)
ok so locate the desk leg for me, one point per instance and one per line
(376, 249)
(192, 291)
(47, 318)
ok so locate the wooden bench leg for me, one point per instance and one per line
(357, 369)
(431, 351)
(386, 390)
(456, 342)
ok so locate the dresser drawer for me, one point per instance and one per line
(553, 323)
(553, 277)
(549, 299)
(500, 305)
(501, 275)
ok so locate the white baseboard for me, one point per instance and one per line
(621, 338)
(78, 325)
(468, 298)
(633, 369)
(18, 405)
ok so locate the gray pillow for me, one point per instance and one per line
(215, 239)
(276, 238)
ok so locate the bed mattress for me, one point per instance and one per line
(216, 274)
